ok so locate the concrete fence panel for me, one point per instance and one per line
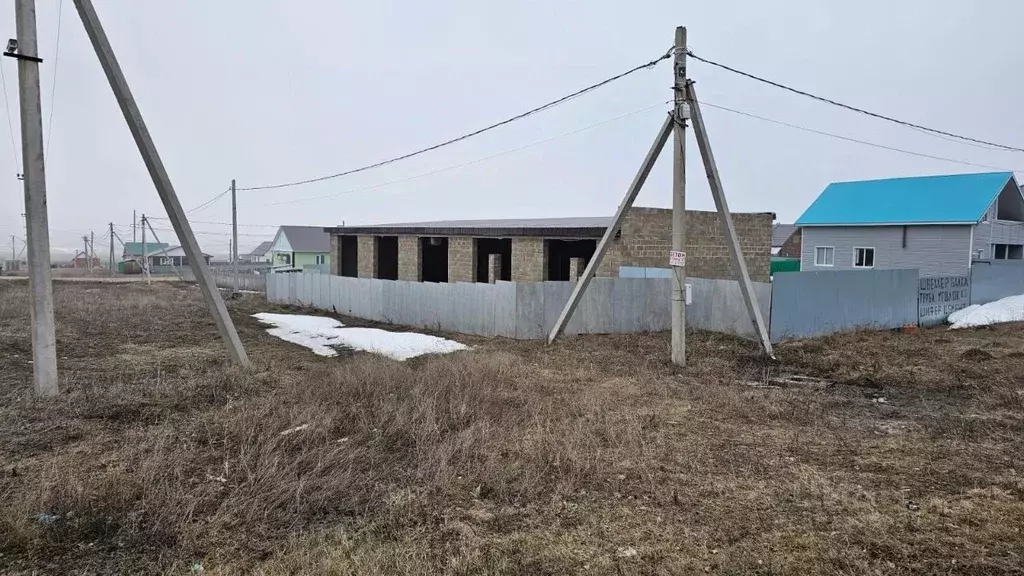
(806, 304)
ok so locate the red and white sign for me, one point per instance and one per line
(676, 258)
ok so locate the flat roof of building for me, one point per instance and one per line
(582, 227)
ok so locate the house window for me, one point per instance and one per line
(824, 256)
(863, 257)
(321, 259)
(285, 258)
(167, 262)
(1008, 251)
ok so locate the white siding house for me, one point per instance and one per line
(940, 225)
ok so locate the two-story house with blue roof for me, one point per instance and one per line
(940, 225)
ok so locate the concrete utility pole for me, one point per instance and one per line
(609, 233)
(145, 250)
(156, 238)
(678, 257)
(111, 263)
(234, 237)
(44, 339)
(92, 248)
(12, 249)
(134, 239)
(161, 180)
(85, 250)
(739, 263)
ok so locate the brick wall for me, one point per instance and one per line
(792, 246)
(367, 259)
(461, 259)
(409, 258)
(647, 238)
(645, 242)
(529, 263)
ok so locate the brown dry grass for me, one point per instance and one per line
(514, 458)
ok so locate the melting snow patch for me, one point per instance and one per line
(962, 313)
(1010, 309)
(324, 335)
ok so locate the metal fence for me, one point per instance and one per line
(225, 279)
(940, 296)
(808, 304)
(993, 280)
(520, 310)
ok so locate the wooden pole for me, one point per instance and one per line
(739, 264)
(609, 234)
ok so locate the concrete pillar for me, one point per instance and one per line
(367, 259)
(461, 259)
(409, 259)
(576, 267)
(529, 260)
(335, 255)
(493, 268)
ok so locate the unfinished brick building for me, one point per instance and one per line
(535, 250)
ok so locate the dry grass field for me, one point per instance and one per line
(897, 454)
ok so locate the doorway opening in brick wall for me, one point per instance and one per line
(560, 253)
(349, 256)
(434, 260)
(387, 257)
(502, 249)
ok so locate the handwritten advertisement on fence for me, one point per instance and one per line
(940, 296)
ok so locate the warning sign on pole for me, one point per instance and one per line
(676, 258)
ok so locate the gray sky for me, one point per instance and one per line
(269, 91)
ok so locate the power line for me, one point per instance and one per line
(468, 135)
(220, 223)
(848, 139)
(212, 233)
(463, 164)
(10, 125)
(208, 203)
(852, 108)
(53, 84)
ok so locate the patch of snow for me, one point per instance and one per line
(314, 332)
(324, 335)
(959, 314)
(1009, 309)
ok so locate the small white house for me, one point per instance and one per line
(940, 225)
(260, 254)
(173, 256)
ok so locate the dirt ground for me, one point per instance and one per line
(864, 453)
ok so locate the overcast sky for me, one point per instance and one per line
(269, 91)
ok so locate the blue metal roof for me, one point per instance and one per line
(958, 198)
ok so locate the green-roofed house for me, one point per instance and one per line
(941, 225)
(132, 255)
